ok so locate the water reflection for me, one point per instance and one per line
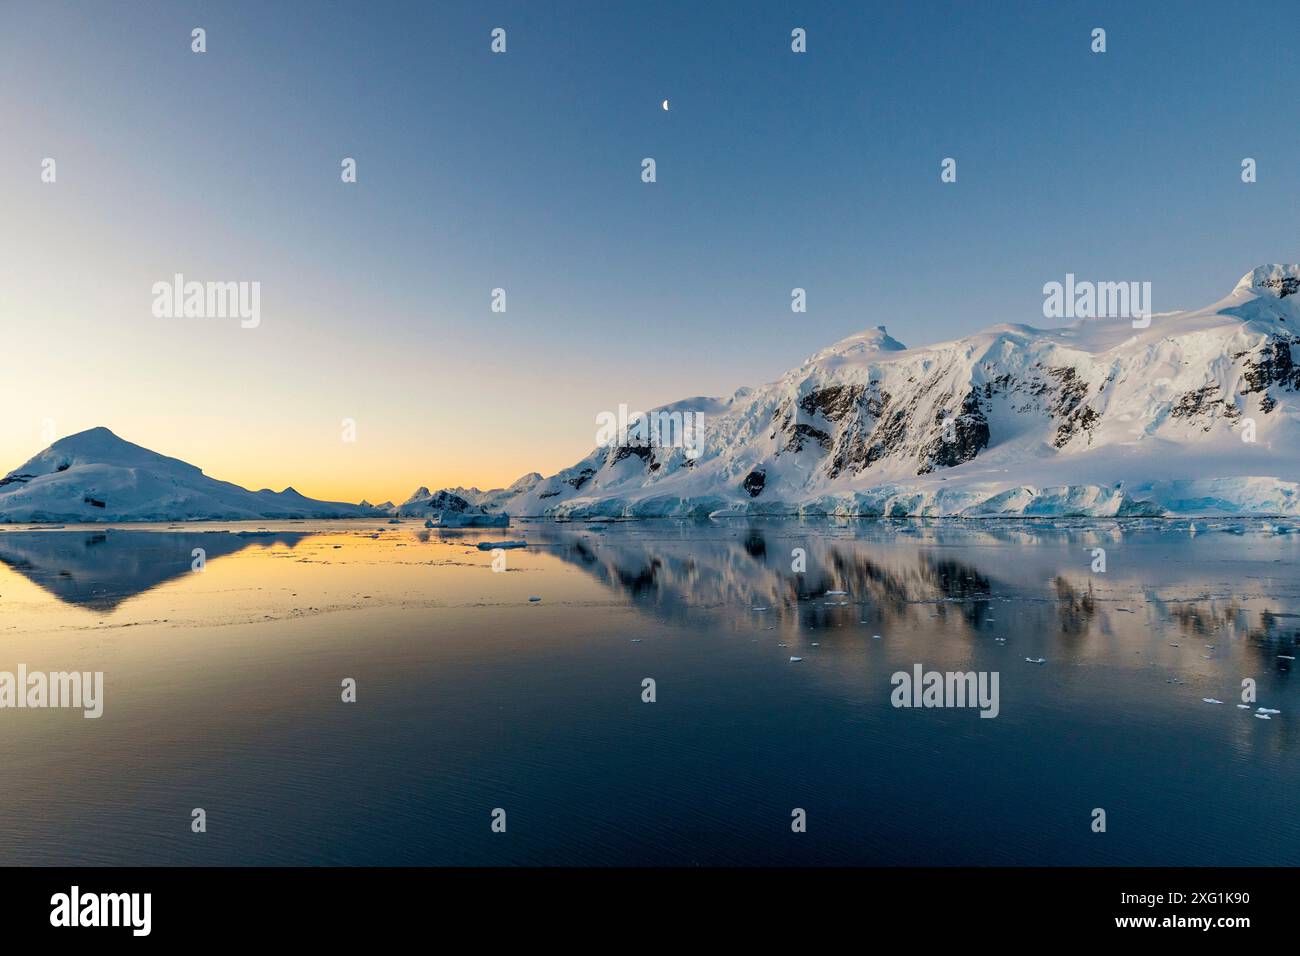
(819, 577)
(98, 570)
(226, 685)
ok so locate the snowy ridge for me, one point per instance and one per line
(1094, 419)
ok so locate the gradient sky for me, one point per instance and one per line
(522, 171)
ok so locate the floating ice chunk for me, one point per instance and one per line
(1286, 657)
(875, 637)
(636, 640)
(835, 593)
(534, 600)
(795, 660)
(1035, 660)
(1263, 716)
(1266, 710)
(758, 609)
(493, 545)
(815, 644)
(1211, 700)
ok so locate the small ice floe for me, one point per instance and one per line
(1286, 657)
(533, 600)
(758, 609)
(815, 644)
(1210, 646)
(1035, 660)
(1263, 716)
(1211, 700)
(428, 522)
(1207, 657)
(875, 637)
(394, 520)
(1126, 610)
(636, 640)
(1172, 644)
(493, 545)
(795, 660)
(782, 644)
(1243, 706)
(836, 593)
(1266, 710)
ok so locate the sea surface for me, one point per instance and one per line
(223, 691)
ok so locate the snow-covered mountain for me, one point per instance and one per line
(96, 476)
(1195, 414)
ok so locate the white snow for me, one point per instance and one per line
(97, 476)
(1094, 419)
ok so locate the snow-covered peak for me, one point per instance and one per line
(524, 483)
(98, 446)
(96, 476)
(1278, 281)
(860, 344)
(418, 494)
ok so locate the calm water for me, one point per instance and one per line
(222, 691)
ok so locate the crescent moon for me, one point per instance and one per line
(665, 106)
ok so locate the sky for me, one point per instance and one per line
(522, 171)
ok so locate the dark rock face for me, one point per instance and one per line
(16, 480)
(802, 432)
(93, 502)
(644, 452)
(446, 501)
(834, 402)
(754, 482)
(1204, 404)
(968, 437)
(1273, 365)
(578, 480)
(1285, 285)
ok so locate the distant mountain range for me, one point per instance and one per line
(1194, 414)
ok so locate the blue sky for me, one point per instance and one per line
(522, 171)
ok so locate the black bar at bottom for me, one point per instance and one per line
(534, 905)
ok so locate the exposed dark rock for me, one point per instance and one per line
(578, 480)
(1274, 366)
(970, 435)
(754, 482)
(802, 433)
(644, 452)
(1204, 403)
(1285, 285)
